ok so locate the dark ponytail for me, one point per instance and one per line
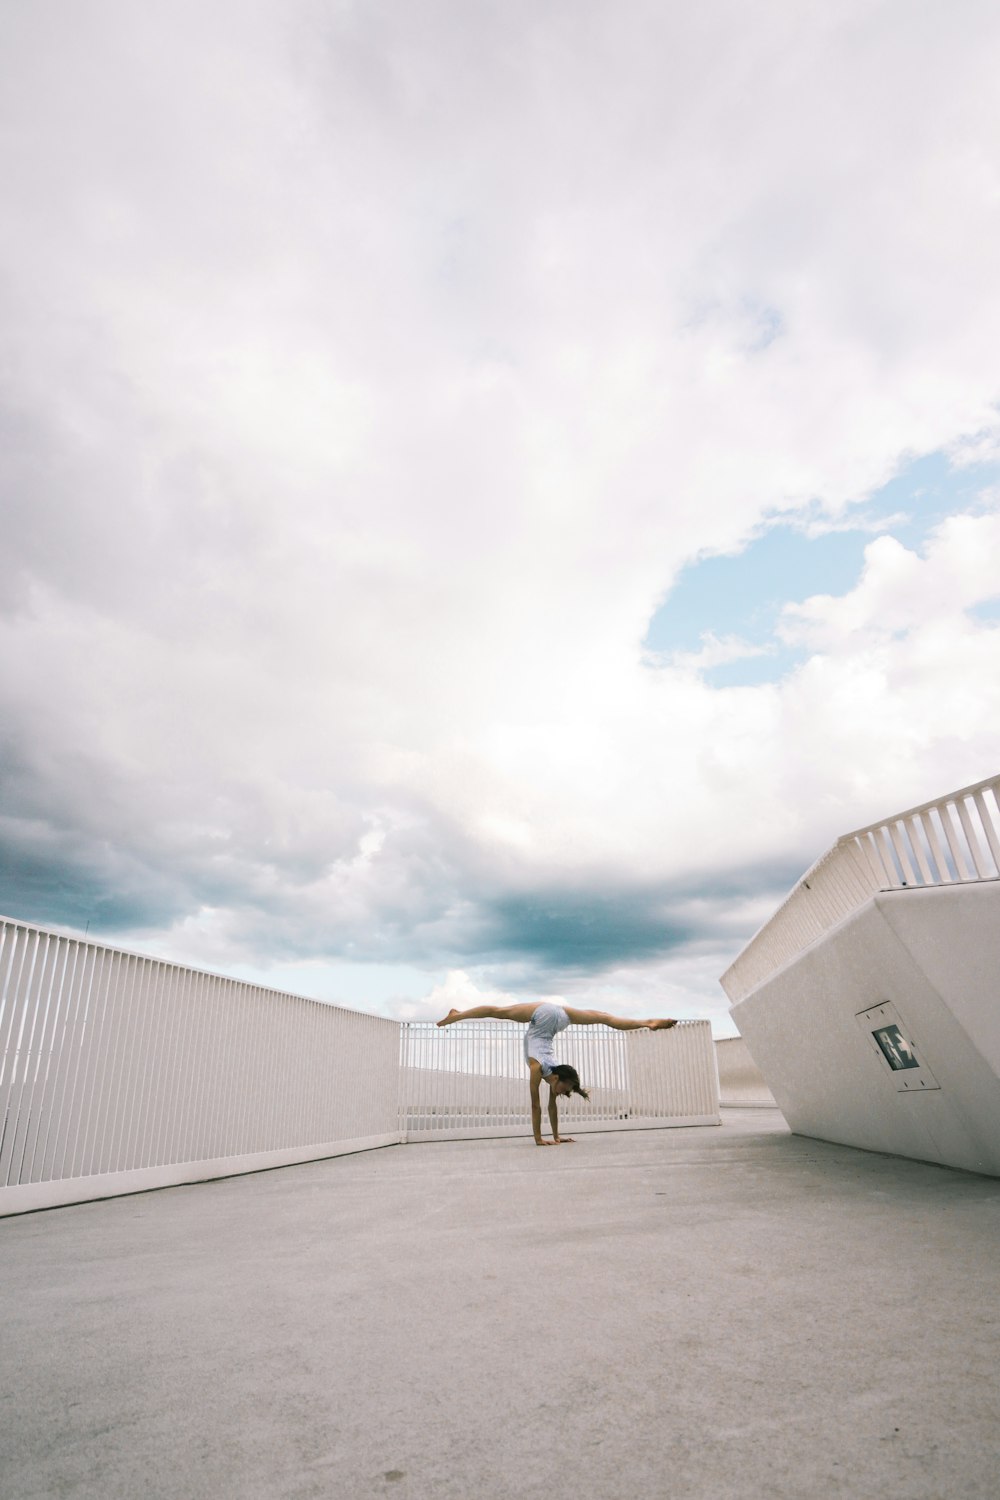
(567, 1074)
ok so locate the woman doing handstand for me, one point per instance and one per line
(544, 1022)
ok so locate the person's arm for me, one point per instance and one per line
(560, 1140)
(536, 1104)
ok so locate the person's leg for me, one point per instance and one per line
(619, 1023)
(491, 1013)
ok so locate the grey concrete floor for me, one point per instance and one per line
(713, 1313)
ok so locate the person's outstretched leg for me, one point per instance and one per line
(491, 1013)
(601, 1018)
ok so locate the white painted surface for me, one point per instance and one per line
(28, 1197)
(933, 954)
(741, 1083)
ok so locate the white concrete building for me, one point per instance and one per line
(871, 999)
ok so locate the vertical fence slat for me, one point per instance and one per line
(31, 1051)
(989, 829)
(91, 1099)
(64, 1054)
(962, 869)
(971, 839)
(46, 1065)
(944, 876)
(140, 1101)
(69, 1116)
(15, 1067)
(913, 829)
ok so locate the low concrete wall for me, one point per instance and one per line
(925, 961)
(741, 1083)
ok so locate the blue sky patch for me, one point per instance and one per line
(742, 595)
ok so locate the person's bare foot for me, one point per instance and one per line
(661, 1025)
(449, 1017)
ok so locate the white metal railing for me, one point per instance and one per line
(470, 1078)
(119, 1072)
(951, 840)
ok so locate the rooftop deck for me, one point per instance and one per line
(706, 1312)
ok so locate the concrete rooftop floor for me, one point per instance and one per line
(711, 1312)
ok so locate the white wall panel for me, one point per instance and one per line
(933, 955)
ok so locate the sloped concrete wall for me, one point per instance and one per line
(932, 956)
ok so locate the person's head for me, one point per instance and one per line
(564, 1079)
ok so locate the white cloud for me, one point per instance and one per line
(900, 590)
(715, 651)
(458, 991)
(372, 371)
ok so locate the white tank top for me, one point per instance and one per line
(547, 1020)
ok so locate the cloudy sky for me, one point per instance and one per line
(491, 488)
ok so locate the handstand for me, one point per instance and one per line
(544, 1021)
